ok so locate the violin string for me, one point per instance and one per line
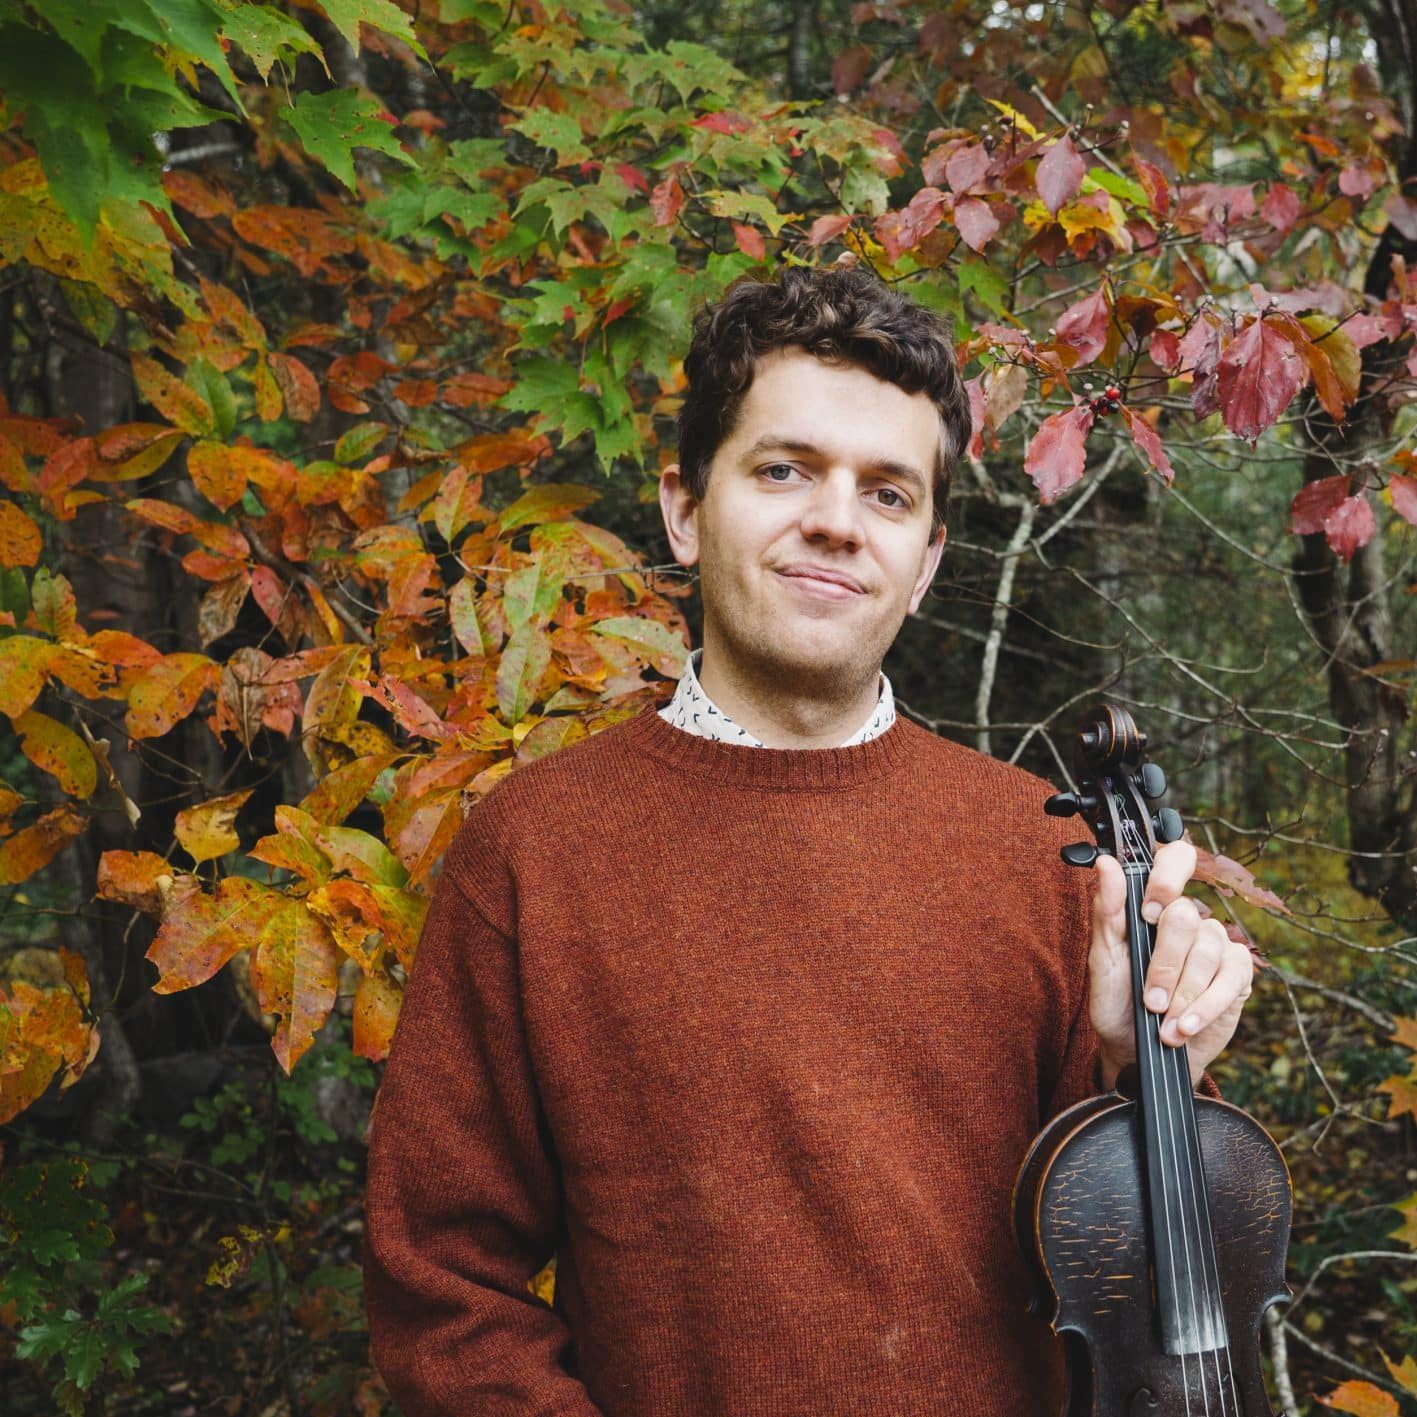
(1137, 933)
(1179, 1068)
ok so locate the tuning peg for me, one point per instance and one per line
(1068, 804)
(1152, 782)
(1080, 853)
(1168, 824)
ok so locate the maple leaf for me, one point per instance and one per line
(1057, 453)
(1362, 1400)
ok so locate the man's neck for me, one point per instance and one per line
(778, 716)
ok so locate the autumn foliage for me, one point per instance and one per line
(384, 351)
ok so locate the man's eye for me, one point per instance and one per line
(891, 492)
(777, 467)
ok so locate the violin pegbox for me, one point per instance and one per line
(1117, 792)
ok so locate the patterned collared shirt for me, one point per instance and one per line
(692, 710)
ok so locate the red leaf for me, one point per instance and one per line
(1350, 526)
(1085, 325)
(750, 242)
(1314, 503)
(1200, 348)
(631, 176)
(1403, 491)
(849, 68)
(1060, 175)
(726, 122)
(1356, 181)
(1155, 185)
(1165, 349)
(1257, 376)
(904, 230)
(827, 228)
(976, 222)
(1346, 521)
(665, 201)
(967, 166)
(1149, 441)
(975, 389)
(1281, 207)
(1058, 453)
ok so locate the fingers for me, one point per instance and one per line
(1171, 871)
(1197, 972)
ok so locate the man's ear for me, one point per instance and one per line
(678, 508)
(929, 564)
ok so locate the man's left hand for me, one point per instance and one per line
(1199, 977)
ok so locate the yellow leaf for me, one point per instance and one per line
(208, 831)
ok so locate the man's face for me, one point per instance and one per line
(830, 469)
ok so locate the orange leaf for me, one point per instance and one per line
(218, 473)
(208, 831)
(297, 386)
(1361, 1399)
(167, 692)
(376, 1012)
(133, 878)
(201, 932)
(36, 846)
(1403, 1094)
(20, 540)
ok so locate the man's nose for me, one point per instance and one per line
(833, 510)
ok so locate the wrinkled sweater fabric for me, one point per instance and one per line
(752, 1040)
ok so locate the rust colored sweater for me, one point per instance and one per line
(753, 1040)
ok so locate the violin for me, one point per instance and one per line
(1155, 1222)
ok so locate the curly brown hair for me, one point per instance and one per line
(838, 314)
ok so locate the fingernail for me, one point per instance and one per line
(1151, 911)
(1156, 999)
(1190, 1023)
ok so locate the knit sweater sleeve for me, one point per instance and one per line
(463, 1202)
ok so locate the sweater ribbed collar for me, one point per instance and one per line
(773, 769)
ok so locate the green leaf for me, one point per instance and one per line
(267, 36)
(558, 131)
(331, 125)
(1118, 186)
(739, 205)
(347, 15)
(358, 442)
(203, 376)
(989, 286)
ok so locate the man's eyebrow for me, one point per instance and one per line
(774, 442)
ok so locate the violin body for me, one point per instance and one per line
(1155, 1222)
(1079, 1215)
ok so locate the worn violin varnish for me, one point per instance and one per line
(1156, 1222)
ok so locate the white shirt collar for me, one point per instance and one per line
(692, 710)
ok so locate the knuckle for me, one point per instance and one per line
(1183, 909)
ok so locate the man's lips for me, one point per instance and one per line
(822, 576)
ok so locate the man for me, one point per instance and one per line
(748, 1008)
